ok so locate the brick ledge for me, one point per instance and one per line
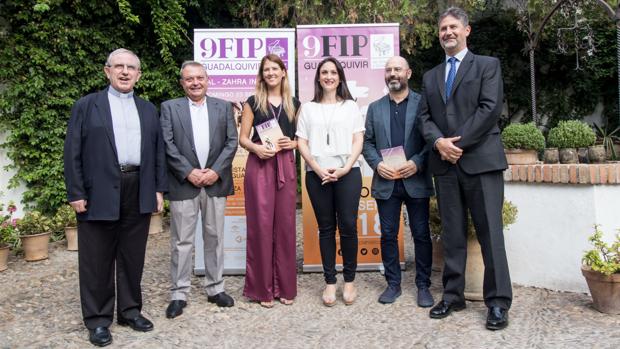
(607, 173)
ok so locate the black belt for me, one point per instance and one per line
(129, 168)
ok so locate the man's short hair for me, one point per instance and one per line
(119, 51)
(193, 64)
(457, 13)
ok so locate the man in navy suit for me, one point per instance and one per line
(390, 123)
(461, 104)
(115, 174)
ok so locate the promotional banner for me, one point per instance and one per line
(232, 59)
(363, 50)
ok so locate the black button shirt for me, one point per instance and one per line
(398, 112)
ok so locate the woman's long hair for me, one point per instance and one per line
(285, 90)
(342, 91)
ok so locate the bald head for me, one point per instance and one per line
(397, 61)
(397, 73)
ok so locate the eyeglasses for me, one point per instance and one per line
(122, 67)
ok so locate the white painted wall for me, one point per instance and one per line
(546, 243)
(9, 194)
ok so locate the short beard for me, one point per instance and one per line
(395, 86)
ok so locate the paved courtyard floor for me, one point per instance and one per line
(39, 308)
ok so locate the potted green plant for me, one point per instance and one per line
(7, 233)
(66, 221)
(601, 268)
(474, 269)
(34, 231)
(570, 135)
(522, 142)
(608, 139)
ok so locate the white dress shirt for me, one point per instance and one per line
(200, 127)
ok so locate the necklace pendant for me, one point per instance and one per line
(328, 139)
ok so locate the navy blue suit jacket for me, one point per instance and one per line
(92, 171)
(378, 136)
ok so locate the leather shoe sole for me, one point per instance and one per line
(140, 323)
(100, 336)
(175, 308)
(443, 309)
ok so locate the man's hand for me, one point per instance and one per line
(210, 176)
(195, 177)
(408, 170)
(386, 171)
(447, 149)
(160, 201)
(79, 206)
(287, 143)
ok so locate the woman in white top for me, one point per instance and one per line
(330, 135)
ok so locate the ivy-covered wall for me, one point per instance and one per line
(52, 52)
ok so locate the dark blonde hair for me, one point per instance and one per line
(285, 89)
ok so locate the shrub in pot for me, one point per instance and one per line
(569, 135)
(608, 139)
(34, 231)
(66, 222)
(8, 233)
(522, 142)
(601, 268)
(474, 270)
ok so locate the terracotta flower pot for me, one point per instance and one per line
(568, 156)
(35, 246)
(605, 290)
(72, 238)
(521, 156)
(552, 156)
(474, 271)
(596, 154)
(156, 223)
(4, 257)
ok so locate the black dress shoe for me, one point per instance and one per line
(175, 308)
(139, 323)
(443, 309)
(497, 318)
(221, 300)
(100, 336)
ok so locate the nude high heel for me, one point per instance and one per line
(329, 295)
(349, 293)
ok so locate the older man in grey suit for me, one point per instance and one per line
(390, 125)
(201, 140)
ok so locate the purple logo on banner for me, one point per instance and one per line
(278, 46)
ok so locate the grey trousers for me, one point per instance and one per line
(182, 229)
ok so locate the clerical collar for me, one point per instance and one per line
(118, 94)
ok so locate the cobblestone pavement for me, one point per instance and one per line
(39, 308)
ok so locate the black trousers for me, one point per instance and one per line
(483, 196)
(111, 253)
(335, 204)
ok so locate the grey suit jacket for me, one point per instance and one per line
(471, 112)
(378, 136)
(181, 152)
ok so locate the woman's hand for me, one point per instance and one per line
(287, 143)
(263, 151)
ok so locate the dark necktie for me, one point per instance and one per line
(451, 76)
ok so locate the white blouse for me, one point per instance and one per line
(329, 130)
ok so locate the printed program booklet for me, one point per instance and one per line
(394, 157)
(269, 133)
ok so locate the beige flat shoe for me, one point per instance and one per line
(286, 301)
(349, 293)
(329, 295)
(268, 305)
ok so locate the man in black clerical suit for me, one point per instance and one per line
(115, 174)
(461, 104)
